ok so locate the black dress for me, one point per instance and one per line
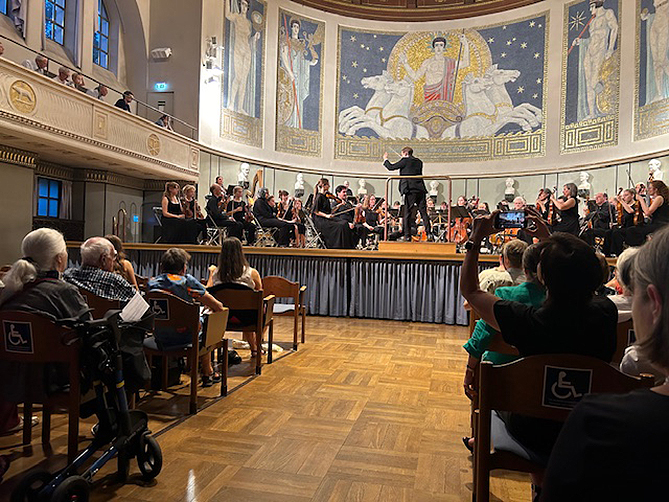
(335, 233)
(569, 223)
(178, 231)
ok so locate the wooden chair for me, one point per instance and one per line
(624, 338)
(99, 305)
(142, 283)
(250, 311)
(33, 339)
(283, 288)
(171, 312)
(547, 387)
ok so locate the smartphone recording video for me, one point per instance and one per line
(511, 219)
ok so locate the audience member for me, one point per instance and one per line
(33, 284)
(96, 273)
(100, 92)
(122, 266)
(63, 76)
(620, 283)
(613, 447)
(174, 279)
(510, 270)
(166, 122)
(234, 269)
(78, 82)
(39, 64)
(124, 102)
(572, 320)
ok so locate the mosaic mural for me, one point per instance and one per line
(590, 75)
(475, 94)
(243, 71)
(652, 89)
(299, 84)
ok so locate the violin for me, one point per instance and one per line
(619, 209)
(359, 215)
(185, 208)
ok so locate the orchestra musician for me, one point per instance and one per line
(337, 233)
(267, 217)
(567, 205)
(374, 219)
(192, 210)
(599, 219)
(216, 209)
(299, 217)
(175, 228)
(413, 190)
(240, 212)
(657, 212)
(544, 205)
(286, 213)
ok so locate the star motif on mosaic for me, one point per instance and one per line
(355, 96)
(491, 40)
(509, 42)
(521, 89)
(536, 55)
(523, 45)
(383, 60)
(354, 64)
(352, 38)
(381, 49)
(364, 70)
(504, 27)
(532, 23)
(538, 80)
(577, 21)
(535, 96)
(502, 55)
(362, 46)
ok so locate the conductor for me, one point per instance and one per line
(414, 190)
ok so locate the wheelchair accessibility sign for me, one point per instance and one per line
(565, 387)
(18, 337)
(160, 308)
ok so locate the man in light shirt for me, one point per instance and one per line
(39, 64)
(63, 76)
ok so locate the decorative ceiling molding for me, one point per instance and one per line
(414, 10)
(9, 155)
(51, 170)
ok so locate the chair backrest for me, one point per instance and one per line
(174, 314)
(99, 305)
(142, 282)
(624, 338)
(549, 386)
(32, 338)
(158, 213)
(240, 299)
(281, 287)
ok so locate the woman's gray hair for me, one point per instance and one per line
(652, 267)
(40, 248)
(624, 267)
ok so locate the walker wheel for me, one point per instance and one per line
(74, 488)
(27, 490)
(149, 457)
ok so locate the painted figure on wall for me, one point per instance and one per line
(243, 56)
(440, 71)
(657, 50)
(596, 44)
(297, 57)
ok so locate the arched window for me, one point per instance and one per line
(101, 48)
(54, 25)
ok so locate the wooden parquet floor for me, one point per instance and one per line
(365, 411)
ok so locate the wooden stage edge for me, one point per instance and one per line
(423, 251)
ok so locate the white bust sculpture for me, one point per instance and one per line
(434, 188)
(584, 183)
(362, 184)
(243, 175)
(509, 191)
(655, 169)
(299, 185)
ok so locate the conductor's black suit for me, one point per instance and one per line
(414, 192)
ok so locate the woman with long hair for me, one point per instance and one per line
(233, 268)
(172, 213)
(336, 233)
(567, 205)
(122, 266)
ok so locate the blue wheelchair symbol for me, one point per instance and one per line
(18, 337)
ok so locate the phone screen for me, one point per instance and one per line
(511, 219)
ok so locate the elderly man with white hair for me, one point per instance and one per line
(96, 272)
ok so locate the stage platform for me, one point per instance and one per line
(402, 281)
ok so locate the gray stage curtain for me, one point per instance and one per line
(418, 291)
(407, 291)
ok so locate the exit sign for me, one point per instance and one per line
(160, 86)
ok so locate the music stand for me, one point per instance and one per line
(459, 212)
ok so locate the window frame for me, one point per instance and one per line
(98, 36)
(48, 198)
(51, 34)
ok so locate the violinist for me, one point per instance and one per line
(544, 205)
(173, 221)
(267, 217)
(216, 209)
(373, 218)
(337, 233)
(240, 212)
(299, 217)
(567, 205)
(657, 212)
(600, 218)
(191, 210)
